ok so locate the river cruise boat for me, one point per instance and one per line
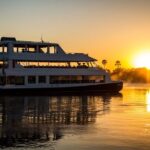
(27, 66)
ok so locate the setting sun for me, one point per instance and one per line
(142, 60)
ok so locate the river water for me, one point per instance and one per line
(77, 122)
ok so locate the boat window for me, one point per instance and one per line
(11, 80)
(43, 49)
(15, 49)
(31, 79)
(92, 79)
(31, 49)
(2, 80)
(53, 79)
(52, 50)
(19, 80)
(3, 49)
(76, 79)
(102, 79)
(23, 49)
(19, 49)
(65, 79)
(42, 79)
(1, 64)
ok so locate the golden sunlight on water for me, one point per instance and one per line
(148, 100)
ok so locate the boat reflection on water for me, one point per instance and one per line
(29, 120)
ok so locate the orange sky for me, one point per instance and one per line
(105, 29)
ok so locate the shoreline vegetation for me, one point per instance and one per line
(132, 75)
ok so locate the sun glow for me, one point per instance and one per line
(142, 60)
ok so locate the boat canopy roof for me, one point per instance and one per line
(18, 43)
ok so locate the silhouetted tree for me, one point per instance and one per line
(117, 64)
(104, 62)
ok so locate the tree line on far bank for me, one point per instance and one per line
(132, 75)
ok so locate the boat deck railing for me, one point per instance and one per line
(57, 67)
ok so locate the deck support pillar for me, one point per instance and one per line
(47, 79)
(26, 80)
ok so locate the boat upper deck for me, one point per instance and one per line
(11, 49)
